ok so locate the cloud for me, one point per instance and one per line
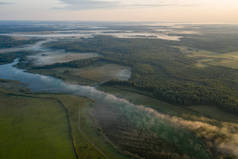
(6, 3)
(89, 4)
(102, 4)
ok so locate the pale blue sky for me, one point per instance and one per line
(197, 11)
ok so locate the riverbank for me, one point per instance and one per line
(139, 117)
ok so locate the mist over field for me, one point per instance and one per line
(119, 79)
(162, 90)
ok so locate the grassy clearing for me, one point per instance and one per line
(65, 74)
(73, 105)
(101, 73)
(90, 75)
(229, 60)
(205, 58)
(49, 126)
(89, 141)
(33, 128)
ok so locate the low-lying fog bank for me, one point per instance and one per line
(146, 32)
(49, 58)
(32, 47)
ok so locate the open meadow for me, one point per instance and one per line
(49, 126)
(33, 127)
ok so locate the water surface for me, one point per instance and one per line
(139, 116)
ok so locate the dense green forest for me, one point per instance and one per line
(9, 57)
(9, 42)
(164, 71)
(177, 103)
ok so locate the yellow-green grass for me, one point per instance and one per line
(33, 128)
(227, 60)
(87, 75)
(100, 73)
(69, 75)
(50, 126)
(88, 139)
(205, 58)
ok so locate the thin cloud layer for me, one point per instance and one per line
(5, 3)
(196, 11)
(89, 4)
(97, 4)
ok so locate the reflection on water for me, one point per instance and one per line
(42, 83)
(139, 116)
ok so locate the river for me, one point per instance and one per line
(138, 115)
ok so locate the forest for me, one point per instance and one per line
(138, 97)
(9, 42)
(162, 70)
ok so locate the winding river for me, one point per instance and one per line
(138, 115)
(42, 83)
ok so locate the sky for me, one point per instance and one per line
(184, 11)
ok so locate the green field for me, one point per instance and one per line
(89, 141)
(49, 126)
(207, 58)
(87, 75)
(32, 127)
(68, 127)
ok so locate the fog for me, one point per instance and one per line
(49, 58)
(224, 137)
